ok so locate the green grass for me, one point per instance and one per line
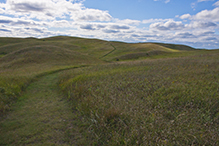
(94, 47)
(165, 101)
(177, 47)
(19, 67)
(125, 51)
(41, 117)
(6, 40)
(113, 93)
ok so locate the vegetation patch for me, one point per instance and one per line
(157, 102)
(118, 93)
(135, 56)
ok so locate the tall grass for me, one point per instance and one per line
(10, 88)
(152, 102)
(145, 102)
(20, 66)
(14, 81)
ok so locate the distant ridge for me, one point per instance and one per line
(176, 46)
(92, 49)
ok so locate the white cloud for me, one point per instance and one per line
(1, 8)
(169, 25)
(128, 21)
(204, 15)
(87, 27)
(20, 21)
(91, 15)
(155, 20)
(185, 16)
(166, 1)
(204, 33)
(201, 24)
(185, 35)
(193, 5)
(14, 31)
(204, 0)
(60, 24)
(216, 4)
(210, 15)
(51, 9)
(119, 27)
(105, 27)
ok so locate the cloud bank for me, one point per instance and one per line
(40, 18)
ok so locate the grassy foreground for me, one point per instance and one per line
(41, 117)
(113, 93)
(149, 102)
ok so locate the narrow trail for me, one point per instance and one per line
(114, 49)
(41, 117)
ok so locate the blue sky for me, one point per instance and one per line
(190, 22)
(146, 9)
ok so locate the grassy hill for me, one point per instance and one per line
(96, 48)
(24, 59)
(177, 47)
(28, 57)
(120, 93)
(45, 54)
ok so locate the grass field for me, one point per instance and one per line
(150, 102)
(118, 93)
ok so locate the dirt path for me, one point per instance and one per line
(114, 49)
(41, 117)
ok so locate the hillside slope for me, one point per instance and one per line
(106, 50)
(45, 54)
(68, 90)
(126, 51)
(176, 47)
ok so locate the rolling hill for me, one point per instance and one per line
(78, 91)
(45, 54)
(106, 50)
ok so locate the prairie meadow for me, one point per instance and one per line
(112, 93)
